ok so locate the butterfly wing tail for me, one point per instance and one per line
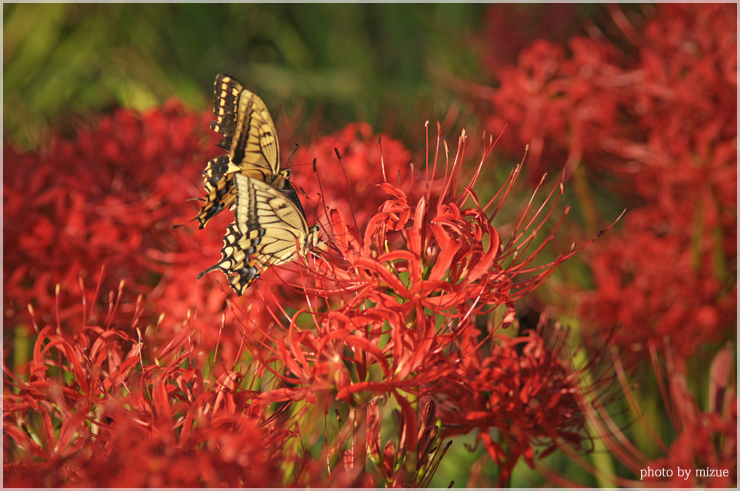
(237, 261)
(239, 281)
(205, 272)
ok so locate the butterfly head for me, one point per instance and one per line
(313, 235)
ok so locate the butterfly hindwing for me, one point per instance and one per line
(268, 230)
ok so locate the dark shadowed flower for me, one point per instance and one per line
(705, 446)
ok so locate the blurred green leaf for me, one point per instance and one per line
(362, 62)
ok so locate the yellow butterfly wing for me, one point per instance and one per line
(268, 230)
(249, 133)
(251, 141)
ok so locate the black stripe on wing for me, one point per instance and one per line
(226, 95)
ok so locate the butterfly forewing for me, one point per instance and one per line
(249, 133)
(226, 96)
(256, 147)
(251, 141)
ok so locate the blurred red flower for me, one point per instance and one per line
(705, 448)
(109, 197)
(677, 297)
(659, 129)
(351, 185)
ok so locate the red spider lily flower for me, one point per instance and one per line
(109, 196)
(561, 107)
(689, 67)
(524, 391)
(704, 452)
(669, 265)
(683, 108)
(672, 271)
(678, 297)
(103, 406)
(660, 125)
(593, 105)
(349, 185)
(395, 315)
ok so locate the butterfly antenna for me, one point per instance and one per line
(349, 193)
(291, 155)
(321, 198)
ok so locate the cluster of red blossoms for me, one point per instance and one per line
(656, 126)
(108, 198)
(359, 366)
(101, 405)
(397, 321)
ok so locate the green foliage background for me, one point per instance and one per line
(356, 62)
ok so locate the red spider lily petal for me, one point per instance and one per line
(160, 400)
(448, 250)
(372, 350)
(389, 453)
(409, 427)
(23, 441)
(360, 164)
